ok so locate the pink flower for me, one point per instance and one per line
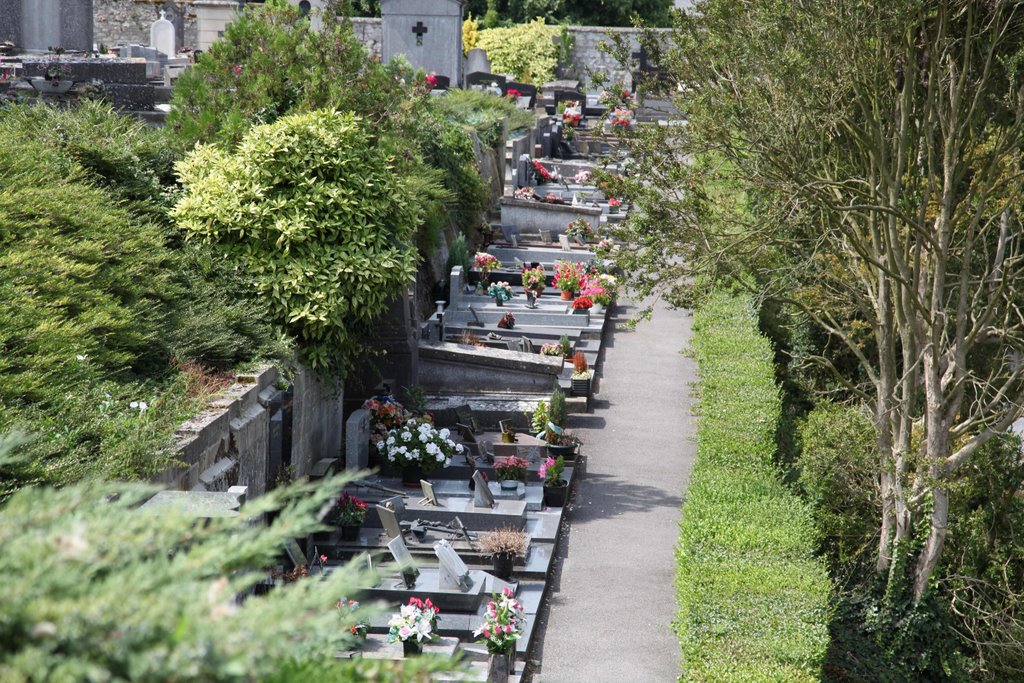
(323, 558)
(487, 634)
(237, 69)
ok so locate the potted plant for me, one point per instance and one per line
(580, 229)
(552, 349)
(418, 448)
(486, 263)
(568, 276)
(349, 515)
(581, 305)
(351, 607)
(613, 204)
(539, 417)
(555, 488)
(580, 375)
(566, 346)
(504, 623)
(500, 292)
(510, 471)
(559, 442)
(415, 624)
(534, 280)
(605, 247)
(504, 546)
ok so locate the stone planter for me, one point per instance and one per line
(53, 87)
(581, 386)
(500, 667)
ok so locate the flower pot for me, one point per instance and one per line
(503, 564)
(613, 209)
(509, 484)
(411, 475)
(500, 666)
(499, 302)
(555, 496)
(580, 311)
(350, 532)
(566, 296)
(567, 452)
(508, 437)
(412, 648)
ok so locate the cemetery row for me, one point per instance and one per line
(462, 519)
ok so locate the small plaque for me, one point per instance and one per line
(403, 558)
(429, 496)
(295, 554)
(389, 520)
(482, 496)
(564, 241)
(453, 573)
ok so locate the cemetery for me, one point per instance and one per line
(466, 341)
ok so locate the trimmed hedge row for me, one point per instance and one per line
(753, 598)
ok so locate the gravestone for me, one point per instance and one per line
(429, 34)
(453, 574)
(524, 172)
(37, 25)
(525, 90)
(477, 62)
(162, 36)
(455, 287)
(357, 440)
(484, 79)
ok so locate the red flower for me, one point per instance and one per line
(432, 79)
(237, 69)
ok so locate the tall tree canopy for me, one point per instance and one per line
(860, 162)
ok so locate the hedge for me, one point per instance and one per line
(753, 598)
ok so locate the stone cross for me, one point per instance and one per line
(419, 29)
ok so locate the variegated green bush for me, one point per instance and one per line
(321, 213)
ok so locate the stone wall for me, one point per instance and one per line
(237, 438)
(370, 33)
(121, 22)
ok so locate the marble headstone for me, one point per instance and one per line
(429, 34)
(477, 60)
(357, 440)
(37, 25)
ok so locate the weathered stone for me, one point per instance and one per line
(357, 440)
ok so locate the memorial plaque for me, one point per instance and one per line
(389, 520)
(482, 496)
(564, 241)
(406, 564)
(429, 496)
(453, 573)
